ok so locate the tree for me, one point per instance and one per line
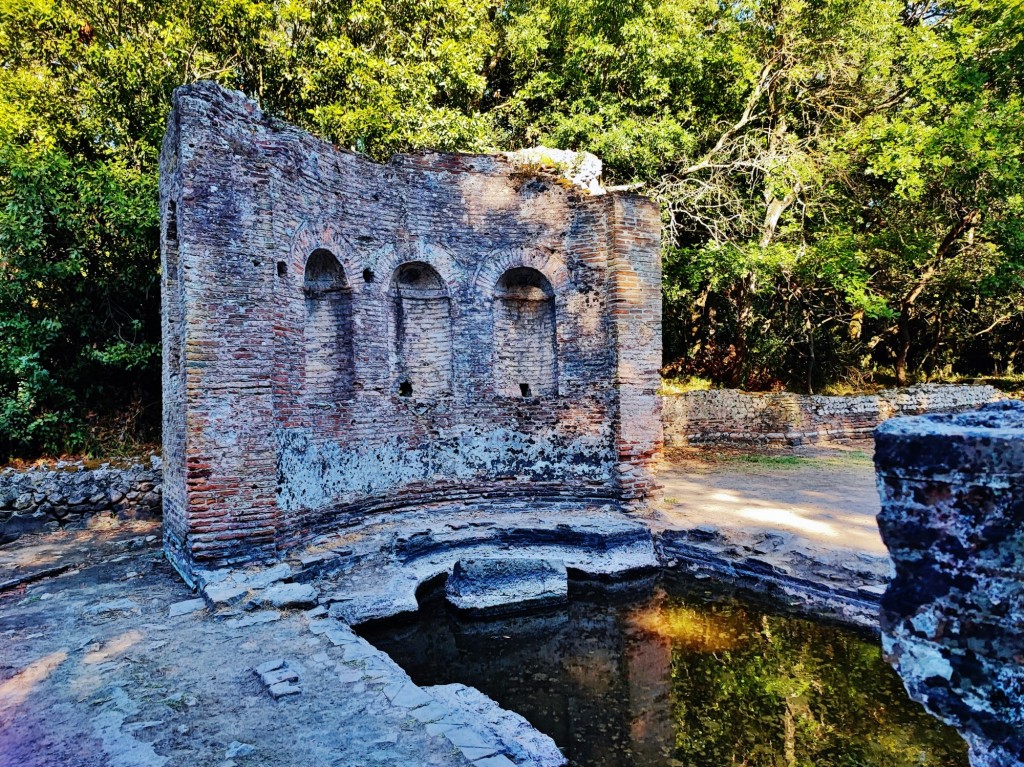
(840, 179)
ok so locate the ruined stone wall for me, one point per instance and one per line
(952, 490)
(53, 495)
(784, 418)
(440, 389)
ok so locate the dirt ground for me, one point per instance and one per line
(807, 512)
(826, 495)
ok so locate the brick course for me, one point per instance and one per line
(344, 338)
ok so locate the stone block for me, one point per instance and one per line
(953, 519)
(289, 595)
(186, 607)
(498, 586)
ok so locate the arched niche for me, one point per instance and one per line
(525, 340)
(327, 330)
(419, 310)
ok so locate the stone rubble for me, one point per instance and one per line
(279, 677)
(237, 749)
(582, 169)
(69, 493)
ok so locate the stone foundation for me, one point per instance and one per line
(54, 495)
(952, 489)
(783, 418)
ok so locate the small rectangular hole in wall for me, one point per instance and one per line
(405, 389)
(172, 221)
(282, 269)
(524, 389)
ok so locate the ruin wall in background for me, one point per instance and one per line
(784, 418)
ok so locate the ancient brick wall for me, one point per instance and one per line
(784, 418)
(344, 338)
(952, 491)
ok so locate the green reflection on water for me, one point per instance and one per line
(676, 678)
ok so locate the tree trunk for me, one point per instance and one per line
(809, 326)
(903, 350)
(744, 314)
(968, 220)
(696, 321)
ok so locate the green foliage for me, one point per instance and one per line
(840, 179)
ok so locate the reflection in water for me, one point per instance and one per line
(671, 678)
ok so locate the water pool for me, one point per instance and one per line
(665, 674)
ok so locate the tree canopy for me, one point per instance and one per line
(841, 180)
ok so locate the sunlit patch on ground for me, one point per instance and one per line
(15, 690)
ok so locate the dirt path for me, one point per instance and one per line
(824, 495)
(807, 513)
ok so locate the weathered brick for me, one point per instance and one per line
(345, 337)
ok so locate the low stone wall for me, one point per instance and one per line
(783, 418)
(53, 495)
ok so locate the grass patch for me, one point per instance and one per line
(758, 459)
(852, 459)
(683, 384)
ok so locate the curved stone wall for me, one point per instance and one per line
(469, 331)
(952, 489)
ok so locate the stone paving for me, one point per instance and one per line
(114, 663)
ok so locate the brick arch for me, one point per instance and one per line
(323, 235)
(494, 265)
(386, 260)
(420, 336)
(524, 327)
(328, 352)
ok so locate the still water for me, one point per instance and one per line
(673, 676)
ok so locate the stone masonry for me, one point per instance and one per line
(343, 339)
(784, 418)
(53, 495)
(952, 489)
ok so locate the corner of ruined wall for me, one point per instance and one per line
(216, 256)
(172, 300)
(635, 307)
(953, 520)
